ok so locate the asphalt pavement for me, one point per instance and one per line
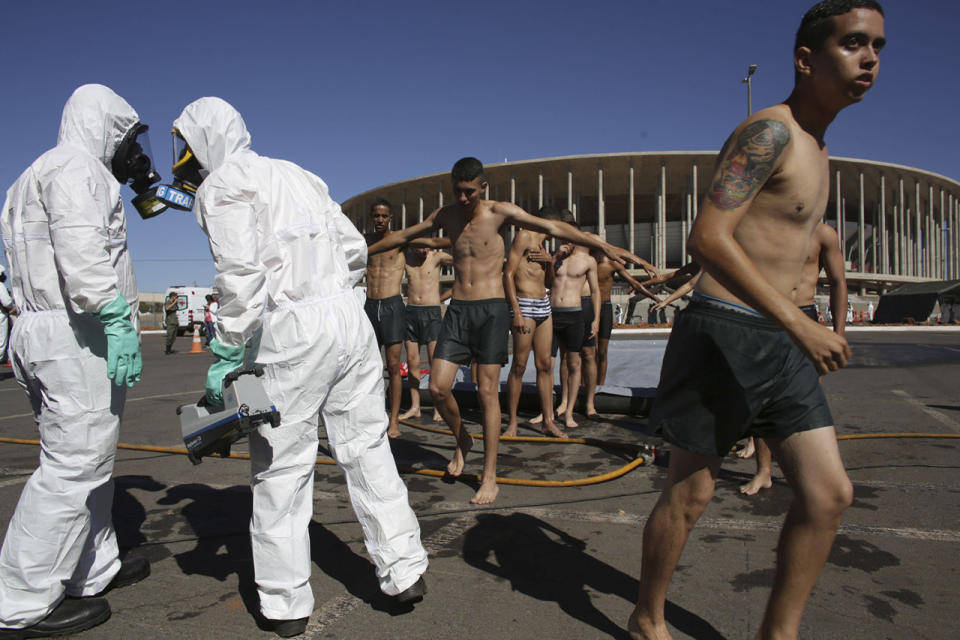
(545, 562)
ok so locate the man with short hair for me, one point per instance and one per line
(384, 306)
(574, 268)
(423, 315)
(742, 357)
(477, 321)
(525, 277)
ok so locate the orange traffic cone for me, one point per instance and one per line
(197, 345)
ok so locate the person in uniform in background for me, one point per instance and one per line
(170, 308)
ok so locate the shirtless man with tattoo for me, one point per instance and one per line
(477, 321)
(769, 191)
(422, 324)
(824, 254)
(528, 269)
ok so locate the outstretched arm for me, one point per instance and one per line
(689, 269)
(403, 236)
(748, 160)
(681, 291)
(831, 259)
(637, 286)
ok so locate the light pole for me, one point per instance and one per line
(750, 71)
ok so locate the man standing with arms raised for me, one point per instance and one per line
(477, 322)
(743, 357)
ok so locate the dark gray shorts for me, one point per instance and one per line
(606, 321)
(811, 311)
(387, 317)
(567, 329)
(423, 323)
(727, 375)
(474, 330)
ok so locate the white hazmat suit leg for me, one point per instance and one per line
(288, 259)
(64, 234)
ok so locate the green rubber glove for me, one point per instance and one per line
(124, 364)
(228, 359)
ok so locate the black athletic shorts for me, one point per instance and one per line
(567, 329)
(728, 374)
(474, 330)
(606, 320)
(586, 303)
(811, 311)
(387, 317)
(423, 323)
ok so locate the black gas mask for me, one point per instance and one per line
(187, 176)
(131, 163)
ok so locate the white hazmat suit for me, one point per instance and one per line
(288, 260)
(6, 302)
(64, 233)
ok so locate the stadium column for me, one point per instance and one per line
(403, 210)
(884, 242)
(630, 209)
(840, 229)
(420, 204)
(662, 222)
(918, 247)
(902, 241)
(539, 188)
(861, 237)
(936, 271)
(601, 212)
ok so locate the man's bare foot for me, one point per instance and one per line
(551, 430)
(593, 415)
(569, 423)
(455, 468)
(437, 418)
(393, 430)
(538, 419)
(511, 431)
(759, 481)
(748, 450)
(412, 412)
(644, 630)
(487, 492)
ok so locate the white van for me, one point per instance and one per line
(190, 303)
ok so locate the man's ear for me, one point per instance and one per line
(802, 61)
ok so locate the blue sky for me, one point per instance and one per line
(366, 93)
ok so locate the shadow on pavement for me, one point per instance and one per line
(547, 563)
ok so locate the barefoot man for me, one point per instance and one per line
(824, 254)
(384, 306)
(477, 321)
(524, 281)
(423, 315)
(743, 357)
(573, 268)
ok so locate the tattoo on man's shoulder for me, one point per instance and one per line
(748, 163)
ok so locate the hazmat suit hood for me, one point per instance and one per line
(214, 130)
(97, 120)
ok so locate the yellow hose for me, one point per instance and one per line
(579, 482)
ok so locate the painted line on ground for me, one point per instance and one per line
(936, 415)
(335, 609)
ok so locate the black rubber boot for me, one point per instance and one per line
(413, 593)
(289, 628)
(72, 615)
